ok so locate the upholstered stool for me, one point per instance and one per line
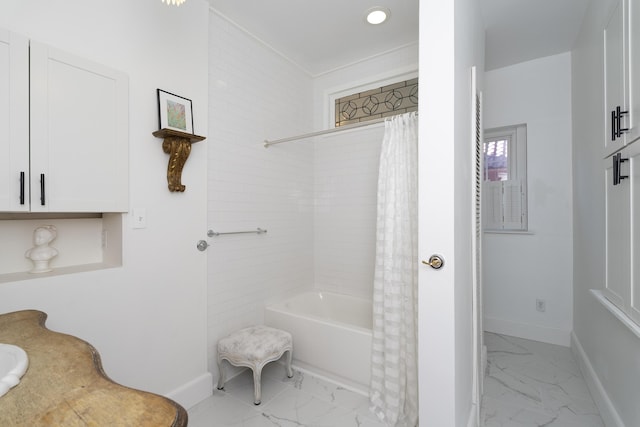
(254, 347)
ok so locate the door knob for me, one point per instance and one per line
(202, 245)
(435, 261)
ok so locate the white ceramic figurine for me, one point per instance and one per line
(42, 253)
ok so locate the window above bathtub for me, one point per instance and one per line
(384, 101)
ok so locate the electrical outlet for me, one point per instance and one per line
(541, 305)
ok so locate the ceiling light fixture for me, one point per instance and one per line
(175, 2)
(377, 15)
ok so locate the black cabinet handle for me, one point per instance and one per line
(620, 161)
(619, 129)
(42, 198)
(617, 171)
(22, 188)
(614, 120)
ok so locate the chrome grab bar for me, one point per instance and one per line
(259, 230)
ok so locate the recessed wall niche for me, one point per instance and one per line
(84, 242)
(385, 101)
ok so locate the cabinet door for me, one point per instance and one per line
(14, 122)
(79, 134)
(614, 75)
(623, 233)
(617, 242)
(633, 22)
(632, 152)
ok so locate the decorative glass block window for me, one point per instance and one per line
(397, 98)
(504, 189)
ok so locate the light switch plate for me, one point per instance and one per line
(139, 218)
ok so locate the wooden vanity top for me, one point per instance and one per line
(65, 384)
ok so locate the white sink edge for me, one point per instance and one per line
(12, 378)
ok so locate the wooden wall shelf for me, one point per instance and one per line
(178, 146)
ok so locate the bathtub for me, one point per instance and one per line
(331, 335)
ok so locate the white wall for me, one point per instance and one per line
(147, 318)
(520, 268)
(255, 95)
(607, 349)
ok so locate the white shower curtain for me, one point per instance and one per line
(394, 376)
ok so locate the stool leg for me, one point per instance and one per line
(288, 364)
(257, 391)
(221, 379)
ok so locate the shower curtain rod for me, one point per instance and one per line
(268, 143)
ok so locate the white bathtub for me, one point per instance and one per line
(331, 335)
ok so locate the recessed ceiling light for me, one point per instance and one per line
(377, 15)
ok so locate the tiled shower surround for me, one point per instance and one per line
(345, 196)
(255, 94)
(315, 197)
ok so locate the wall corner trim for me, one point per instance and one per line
(603, 402)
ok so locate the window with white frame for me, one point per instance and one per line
(505, 178)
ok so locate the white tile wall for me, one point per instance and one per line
(346, 184)
(255, 95)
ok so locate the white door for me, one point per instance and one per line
(445, 295)
(436, 331)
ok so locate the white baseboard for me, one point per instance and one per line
(528, 331)
(483, 359)
(472, 421)
(607, 410)
(193, 392)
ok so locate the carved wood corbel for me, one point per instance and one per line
(178, 146)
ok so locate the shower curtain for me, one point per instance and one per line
(394, 372)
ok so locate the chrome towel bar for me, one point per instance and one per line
(259, 230)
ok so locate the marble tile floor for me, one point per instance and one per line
(286, 402)
(529, 383)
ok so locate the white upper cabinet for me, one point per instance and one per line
(614, 86)
(622, 83)
(79, 134)
(14, 122)
(633, 73)
(75, 141)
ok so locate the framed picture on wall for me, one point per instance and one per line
(175, 112)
